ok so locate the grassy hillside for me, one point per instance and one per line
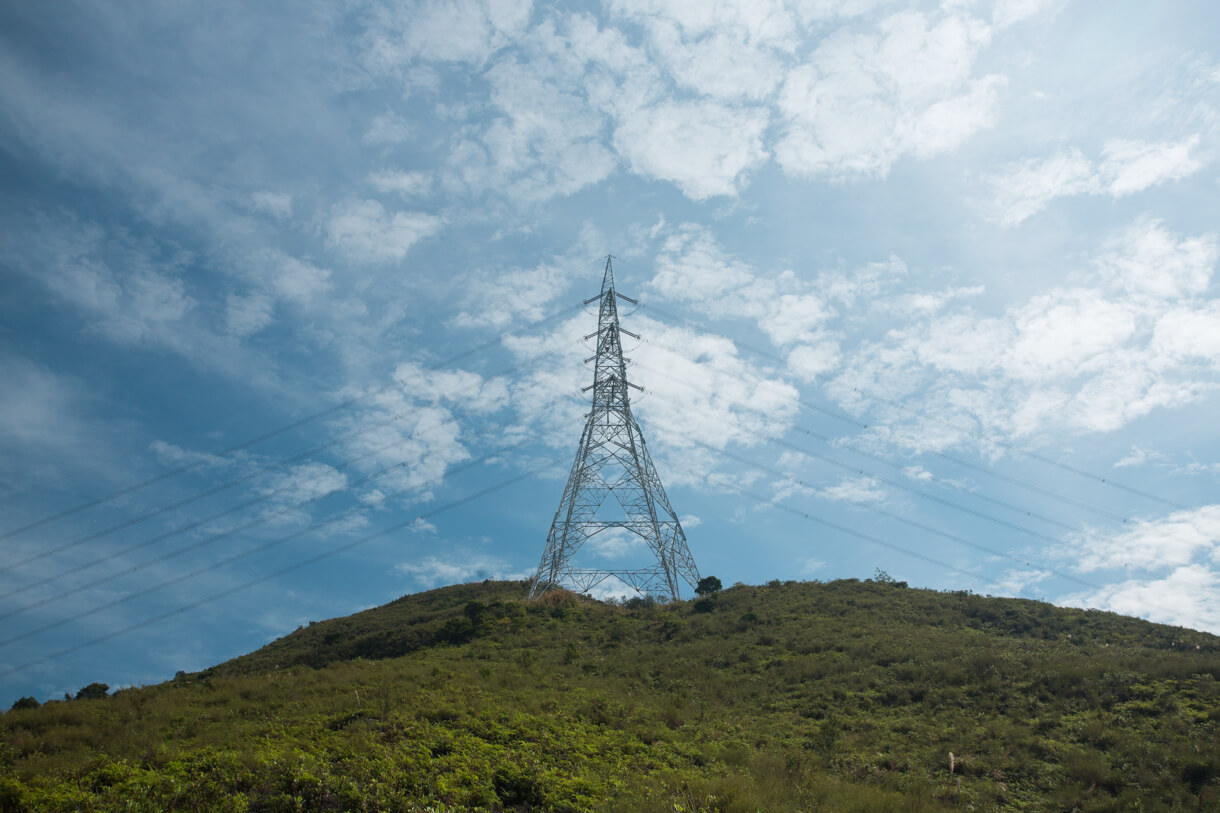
(802, 696)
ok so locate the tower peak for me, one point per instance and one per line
(608, 276)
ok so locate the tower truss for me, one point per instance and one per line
(612, 465)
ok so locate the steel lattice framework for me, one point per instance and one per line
(612, 461)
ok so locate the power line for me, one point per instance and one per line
(279, 431)
(929, 529)
(296, 566)
(913, 411)
(842, 528)
(840, 445)
(898, 548)
(265, 470)
(263, 498)
(223, 562)
(900, 486)
(236, 530)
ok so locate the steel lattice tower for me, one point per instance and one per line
(612, 461)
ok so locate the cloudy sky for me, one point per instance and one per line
(291, 324)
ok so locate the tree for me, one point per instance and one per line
(881, 577)
(708, 585)
(94, 691)
(25, 703)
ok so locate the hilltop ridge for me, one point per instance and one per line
(844, 695)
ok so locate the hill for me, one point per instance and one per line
(837, 696)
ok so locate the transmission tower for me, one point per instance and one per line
(612, 464)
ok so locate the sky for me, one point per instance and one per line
(291, 315)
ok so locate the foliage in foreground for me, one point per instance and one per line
(841, 696)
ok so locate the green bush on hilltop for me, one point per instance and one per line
(844, 696)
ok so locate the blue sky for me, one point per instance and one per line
(975, 243)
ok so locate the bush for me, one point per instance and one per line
(25, 703)
(94, 691)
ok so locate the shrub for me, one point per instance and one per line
(94, 691)
(25, 703)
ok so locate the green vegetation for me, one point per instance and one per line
(845, 696)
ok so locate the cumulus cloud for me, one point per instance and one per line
(1010, 12)
(1152, 544)
(433, 570)
(363, 230)
(855, 489)
(1147, 258)
(276, 204)
(405, 184)
(866, 99)
(1024, 188)
(692, 101)
(247, 315)
(1185, 597)
(693, 268)
(1129, 339)
(703, 147)
(463, 31)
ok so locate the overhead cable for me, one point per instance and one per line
(281, 430)
(285, 570)
(912, 411)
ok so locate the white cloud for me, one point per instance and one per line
(1186, 597)
(306, 481)
(1025, 188)
(812, 566)
(703, 147)
(693, 268)
(442, 30)
(388, 129)
(730, 51)
(1066, 333)
(404, 426)
(499, 297)
(247, 315)
(37, 412)
(1146, 258)
(276, 204)
(864, 100)
(1187, 333)
(855, 489)
(406, 184)
(548, 140)
(1169, 542)
(363, 230)
(1009, 12)
(177, 456)
(809, 362)
(616, 543)
(1015, 582)
(1138, 457)
(129, 293)
(432, 570)
(1074, 358)
(1132, 166)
